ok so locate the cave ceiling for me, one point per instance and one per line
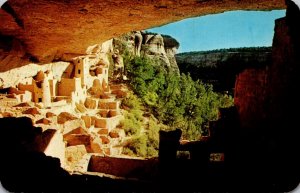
(49, 28)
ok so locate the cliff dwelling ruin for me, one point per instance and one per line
(61, 111)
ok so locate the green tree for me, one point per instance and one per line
(176, 101)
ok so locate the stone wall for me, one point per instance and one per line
(56, 148)
(73, 155)
(26, 97)
(123, 167)
(66, 87)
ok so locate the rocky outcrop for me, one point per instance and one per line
(161, 47)
(250, 96)
(171, 47)
(56, 29)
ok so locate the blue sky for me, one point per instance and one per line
(226, 30)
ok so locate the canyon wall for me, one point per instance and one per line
(220, 67)
(267, 100)
(250, 96)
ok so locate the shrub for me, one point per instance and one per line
(131, 124)
(133, 120)
(137, 146)
(153, 138)
(144, 144)
(132, 102)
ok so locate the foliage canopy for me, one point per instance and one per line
(176, 101)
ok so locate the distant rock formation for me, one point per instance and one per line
(153, 45)
(171, 48)
(162, 47)
(220, 67)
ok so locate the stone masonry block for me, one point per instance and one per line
(100, 123)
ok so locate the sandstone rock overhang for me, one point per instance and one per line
(49, 29)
